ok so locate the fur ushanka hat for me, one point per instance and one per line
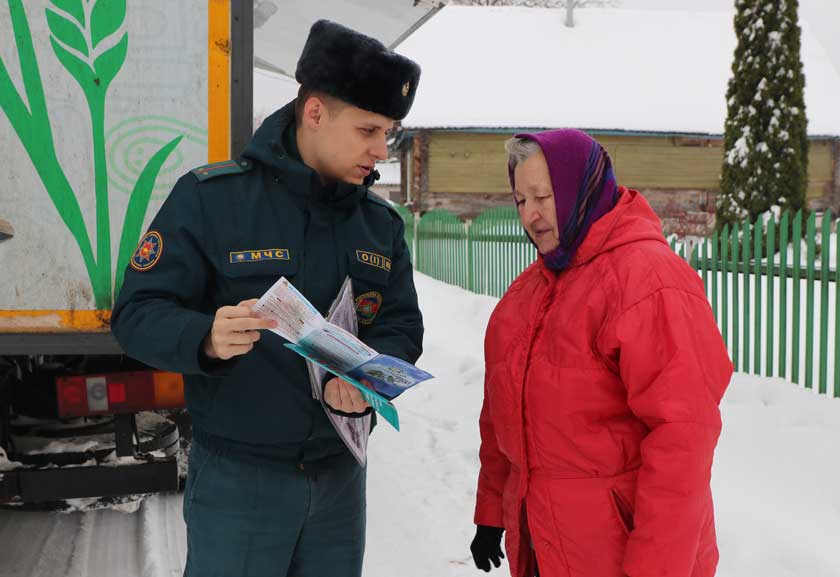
(357, 69)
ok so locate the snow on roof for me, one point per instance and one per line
(617, 69)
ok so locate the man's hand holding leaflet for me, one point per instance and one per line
(337, 350)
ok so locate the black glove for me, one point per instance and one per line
(487, 546)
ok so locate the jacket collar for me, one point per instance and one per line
(274, 144)
(631, 220)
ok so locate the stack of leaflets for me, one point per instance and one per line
(331, 345)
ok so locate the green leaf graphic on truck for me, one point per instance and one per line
(88, 38)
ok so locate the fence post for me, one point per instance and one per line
(715, 250)
(809, 303)
(758, 244)
(736, 304)
(771, 290)
(784, 227)
(797, 275)
(747, 299)
(470, 259)
(724, 259)
(418, 241)
(825, 248)
(837, 310)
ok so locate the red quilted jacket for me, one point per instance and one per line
(600, 414)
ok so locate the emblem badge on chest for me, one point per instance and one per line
(367, 307)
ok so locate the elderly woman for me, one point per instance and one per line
(604, 372)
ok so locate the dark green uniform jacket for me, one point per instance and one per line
(226, 233)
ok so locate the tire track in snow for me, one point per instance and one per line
(108, 543)
(35, 543)
(163, 536)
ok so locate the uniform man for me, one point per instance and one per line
(271, 489)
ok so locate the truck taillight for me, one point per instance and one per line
(169, 389)
(72, 394)
(85, 395)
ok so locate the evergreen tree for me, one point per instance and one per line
(766, 142)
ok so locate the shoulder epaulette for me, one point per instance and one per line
(209, 171)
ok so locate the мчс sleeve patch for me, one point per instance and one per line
(148, 252)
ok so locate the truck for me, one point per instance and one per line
(105, 104)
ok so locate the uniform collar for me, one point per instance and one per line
(289, 142)
(274, 144)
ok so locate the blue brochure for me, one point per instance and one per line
(380, 378)
(379, 403)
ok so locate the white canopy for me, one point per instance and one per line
(281, 26)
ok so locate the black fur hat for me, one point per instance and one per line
(357, 69)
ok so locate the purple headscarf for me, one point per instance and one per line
(584, 184)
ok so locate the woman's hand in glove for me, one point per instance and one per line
(487, 547)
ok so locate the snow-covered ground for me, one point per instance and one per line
(775, 482)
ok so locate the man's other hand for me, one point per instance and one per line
(234, 332)
(344, 397)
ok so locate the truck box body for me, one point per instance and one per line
(124, 114)
(103, 106)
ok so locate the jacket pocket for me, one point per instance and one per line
(249, 279)
(368, 268)
(370, 273)
(622, 509)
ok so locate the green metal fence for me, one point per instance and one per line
(497, 251)
(408, 219)
(769, 328)
(758, 299)
(442, 247)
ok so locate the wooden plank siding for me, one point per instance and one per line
(465, 163)
(820, 169)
